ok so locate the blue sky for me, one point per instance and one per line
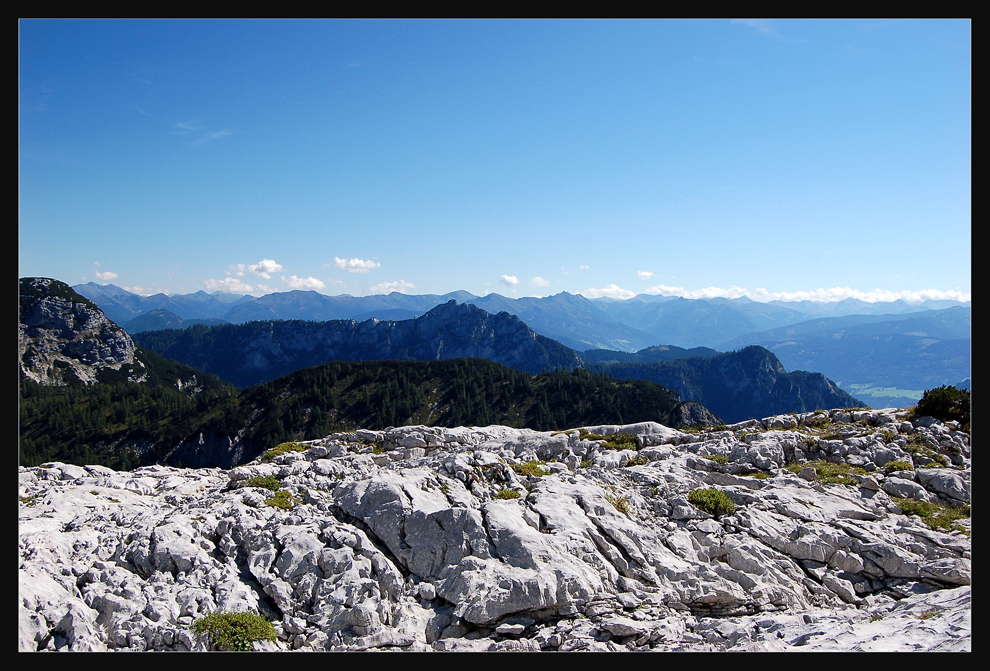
(772, 159)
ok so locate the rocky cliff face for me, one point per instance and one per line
(422, 538)
(64, 338)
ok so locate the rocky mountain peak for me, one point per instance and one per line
(64, 338)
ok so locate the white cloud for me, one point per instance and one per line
(611, 291)
(875, 296)
(538, 282)
(356, 265)
(264, 268)
(388, 287)
(106, 277)
(584, 267)
(308, 283)
(509, 280)
(818, 295)
(230, 285)
(644, 274)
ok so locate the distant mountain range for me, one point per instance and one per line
(89, 395)
(884, 372)
(735, 386)
(259, 351)
(887, 360)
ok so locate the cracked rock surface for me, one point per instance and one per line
(425, 538)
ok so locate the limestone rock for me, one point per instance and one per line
(424, 548)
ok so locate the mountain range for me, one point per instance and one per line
(735, 385)
(144, 402)
(828, 337)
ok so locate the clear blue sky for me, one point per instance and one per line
(753, 157)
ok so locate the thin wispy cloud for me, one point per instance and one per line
(538, 282)
(644, 274)
(356, 265)
(762, 25)
(198, 132)
(144, 291)
(209, 137)
(183, 128)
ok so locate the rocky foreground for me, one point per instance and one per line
(422, 538)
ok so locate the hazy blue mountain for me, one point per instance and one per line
(739, 385)
(886, 360)
(693, 322)
(314, 306)
(156, 320)
(654, 353)
(851, 306)
(895, 375)
(570, 319)
(122, 306)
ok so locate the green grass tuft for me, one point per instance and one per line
(282, 499)
(935, 515)
(269, 482)
(283, 448)
(533, 468)
(829, 473)
(617, 441)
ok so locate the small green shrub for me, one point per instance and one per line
(283, 448)
(717, 458)
(945, 404)
(507, 494)
(712, 501)
(621, 503)
(269, 482)
(234, 631)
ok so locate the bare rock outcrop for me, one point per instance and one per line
(65, 338)
(492, 538)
